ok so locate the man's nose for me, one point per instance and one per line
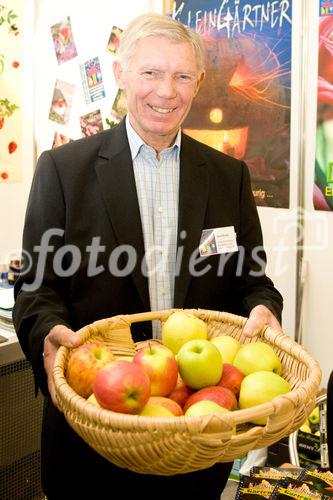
(166, 87)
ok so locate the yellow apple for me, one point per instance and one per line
(257, 356)
(155, 410)
(92, 399)
(261, 387)
(180, 327)
(305, 428)
(228, 347)
(204, 407)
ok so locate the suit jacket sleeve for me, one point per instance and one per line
(43, 306)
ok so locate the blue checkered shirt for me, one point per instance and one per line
(157, 185)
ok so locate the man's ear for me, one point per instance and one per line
(118, 74)
(199, 82)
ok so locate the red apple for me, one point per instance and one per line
(231, 378)
(122, 386)
(220, 395)
(168, 403)
(161, 367)
(181, 392)
(83, 365)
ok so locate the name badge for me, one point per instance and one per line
(218, 240)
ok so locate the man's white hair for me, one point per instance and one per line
(153, 24)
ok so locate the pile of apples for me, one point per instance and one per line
(185, 374)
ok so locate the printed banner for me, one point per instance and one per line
(92, 80)
(323, 182)
(11, 84)
(243, 107)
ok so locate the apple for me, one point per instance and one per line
(314, 416)
(122, 386)
(257, 356)
(168, 403)
(306, 428)
(84, 363)
(155, 410)
(261, 387)
(161, 367)
(199, 363)
(92, 399)
(204, 407)
(228, 347)
(180, 327)
(231, 378)
(220, 395)
(181, 392)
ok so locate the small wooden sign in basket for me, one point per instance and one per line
(167, 446)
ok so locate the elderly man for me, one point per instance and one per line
(147, 187)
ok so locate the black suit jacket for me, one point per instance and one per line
(86, 189)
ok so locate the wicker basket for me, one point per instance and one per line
(167, 446)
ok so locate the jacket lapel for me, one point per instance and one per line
(117, 183)
(193, 196)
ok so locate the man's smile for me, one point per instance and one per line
(161, 110)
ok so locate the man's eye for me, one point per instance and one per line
(183, 77)
(149, 74)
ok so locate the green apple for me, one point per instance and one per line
(257, 356)
(180, 327)
(261, 387)
(155, 410)
(228, 347)
(200, 363)
(305, 428)
(204, 407)
(314, 416)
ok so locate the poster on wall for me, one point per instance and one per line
(11, 13)
(243, 107)
(323, 178)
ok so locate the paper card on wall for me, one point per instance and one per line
(92, 80)
(114, 40)
(59, 140)
(119, 106)
(61, 102)
(63, 41)
(91, 123)
(326, 8)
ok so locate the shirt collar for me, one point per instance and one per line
(136, 143)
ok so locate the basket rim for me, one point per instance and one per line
(213, 423)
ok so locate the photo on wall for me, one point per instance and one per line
(323, 176)
(63, 41)
(243, 107)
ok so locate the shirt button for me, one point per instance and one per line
(160, 209)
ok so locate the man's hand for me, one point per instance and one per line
(259, 317)
(59, 335)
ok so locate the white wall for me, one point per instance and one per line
(91, 26)
(13, 196)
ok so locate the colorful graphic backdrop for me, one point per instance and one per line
(243, 107)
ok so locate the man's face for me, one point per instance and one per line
(160, 80)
